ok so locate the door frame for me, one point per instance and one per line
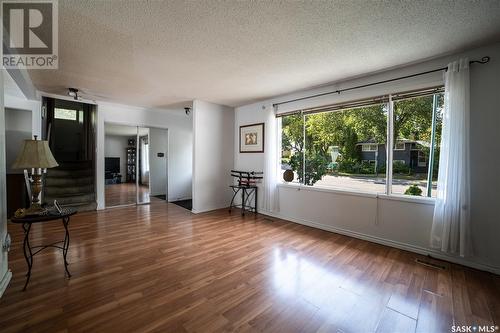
(131, 124)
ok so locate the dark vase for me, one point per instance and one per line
(288, 176)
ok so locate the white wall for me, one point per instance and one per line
(213, 127)
(19, 86)
(158, 143)
(115, 146)
(180, 143)
(5, 274)
(402, 223)
(13, 98)
(21, 103)
(17, 129)
(485, 158)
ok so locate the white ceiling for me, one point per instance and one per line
(123, 130)
(159, 53)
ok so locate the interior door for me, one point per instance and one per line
(120, 165)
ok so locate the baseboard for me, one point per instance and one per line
(209, 209)
(179, 199)
(5, 282)
(388, 242)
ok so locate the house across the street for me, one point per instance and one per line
(408, 152)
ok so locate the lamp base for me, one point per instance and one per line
(36, 188)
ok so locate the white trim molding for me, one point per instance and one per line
(343, 191)
(5, 282)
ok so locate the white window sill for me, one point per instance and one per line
(408, 198)
(301, 187)
(383, 196)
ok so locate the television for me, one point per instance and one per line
(112, 165)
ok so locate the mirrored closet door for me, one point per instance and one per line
(136, 164)
(120, 165)
(143, 174)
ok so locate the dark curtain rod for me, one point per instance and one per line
(483, 60)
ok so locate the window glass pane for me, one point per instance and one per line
(413, 126)
(437, 143)
(346, 149)
(65, 114)
(292, 146)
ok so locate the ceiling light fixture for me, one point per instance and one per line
(187, 110)
(73, 92)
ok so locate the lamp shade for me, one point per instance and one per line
(35, 154)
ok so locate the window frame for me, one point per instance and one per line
(389, 106)
(369, 145)
(56, 110)
(400, 143)
(424, 156)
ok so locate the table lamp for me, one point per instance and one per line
(35, 155)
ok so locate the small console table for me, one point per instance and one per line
(31, 251)
(247, 184)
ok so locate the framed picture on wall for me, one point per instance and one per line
(252, 138)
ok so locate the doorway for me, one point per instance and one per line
(135, 164)
(69, 127)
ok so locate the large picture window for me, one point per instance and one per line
(346, 148)
(414, 125)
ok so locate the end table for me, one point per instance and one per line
(31, 251)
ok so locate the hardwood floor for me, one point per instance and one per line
(160, 268)
(124, 194)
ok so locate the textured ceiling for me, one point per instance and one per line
(159, 53)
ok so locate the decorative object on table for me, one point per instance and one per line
(35, 155)
(20, 213)
(31, 251)
(288, 175)
(252, 138)
(58, 208)
(247, 184)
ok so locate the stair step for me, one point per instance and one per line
(60, 173)
(77, 181)
(68, 190)
(67, 195)
(82, 206)
(70, 199)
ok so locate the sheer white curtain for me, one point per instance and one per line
(270, 194)
(451, 223)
